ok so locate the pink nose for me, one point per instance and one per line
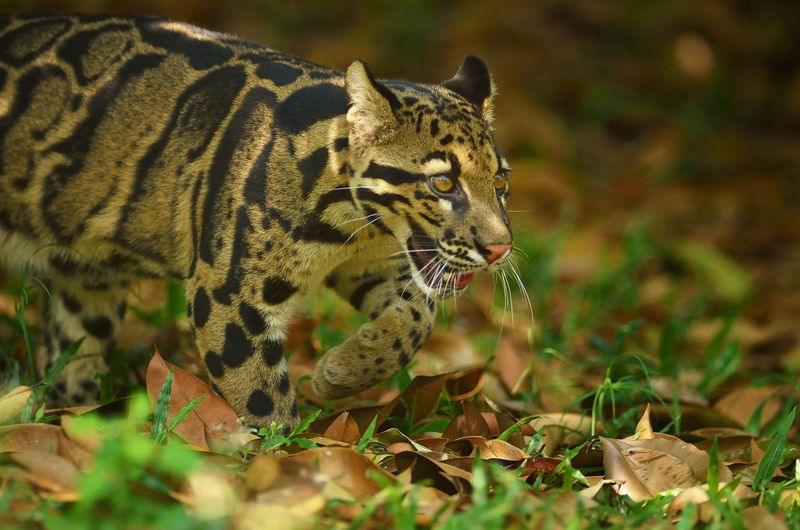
(495, 252)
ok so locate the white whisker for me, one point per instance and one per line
(515, 274)
(360, 218)
(360, 229)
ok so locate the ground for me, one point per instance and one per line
(651, 381)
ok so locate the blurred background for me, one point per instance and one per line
(655, 146)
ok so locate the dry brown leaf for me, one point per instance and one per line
(261, 473)
(421, 396)
(445, 352)
(562, 428)
(698, 495)
(322, 441)
(211, 421)
(720, 432)
(14, 402)
(566, 508)
(540, 466)
(344, 429)
(685, 388)
(210, 493)
(30, 437)
(595, 485)
(430, 502)
(512, 366)
(481, 424)
(732, 449)
(443, 476)
(644, 431)
(48, 471)
(75, 453)
(89, 441)
(790, 498)
(258, 516)
(740, 404)
(349, 469)
(474, 422)
(694, 417)
(760, 518)
(465, 384)
(393, 438)
(643, 468)
(490, 449)
(435, 444)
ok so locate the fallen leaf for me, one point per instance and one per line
(430, 504)
(445, 352)
(699, 495)
(349, 469)
(512, 366)
(643, 431)
(344, 428)
(489, 449)
(90, 440)
(643, 468)
(742, 403)
(211, 494)
(48, 471)
(12, 404)
(257, 516)
(474, 422)
(29, 437)
(441, 475)
(683, 387)
(261, 473)
(562, 428)
(395, 436)
(540, 466)
(465, 384)
(211, 421)
(760, 518)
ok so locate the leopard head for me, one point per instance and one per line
(426, 167)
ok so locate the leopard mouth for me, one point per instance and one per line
(435, 276)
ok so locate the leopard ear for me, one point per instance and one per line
(372, 105)
(474, 83)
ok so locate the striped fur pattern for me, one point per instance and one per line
(143, 147)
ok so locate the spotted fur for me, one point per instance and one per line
(142, 147)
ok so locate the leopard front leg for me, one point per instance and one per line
(80, 307)
(402, 318)
(240, 340)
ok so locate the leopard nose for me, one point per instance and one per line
(493, 253)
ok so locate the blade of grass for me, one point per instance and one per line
(365, 438)
(774, 454)
(305, 423)
(159, 428)
(506, 434)
(181, 415)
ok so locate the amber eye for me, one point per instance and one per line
(442, 183)
(500, 181)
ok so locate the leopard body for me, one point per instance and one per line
(141, 147)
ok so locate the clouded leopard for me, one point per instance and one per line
(142, 147)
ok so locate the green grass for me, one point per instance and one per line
(140, 463)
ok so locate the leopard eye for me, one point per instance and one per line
(442, 183)
(500, 181)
